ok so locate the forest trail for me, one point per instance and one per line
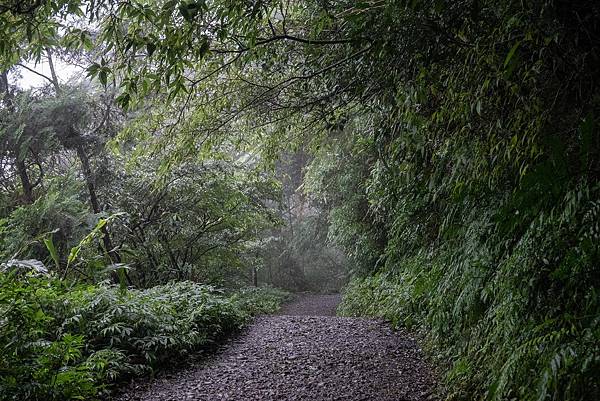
(304, 353)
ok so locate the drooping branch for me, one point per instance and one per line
(289, 38)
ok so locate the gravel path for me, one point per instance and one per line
(305, 353)
(312, 305)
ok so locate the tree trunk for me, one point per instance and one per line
(19, 164)
(25, 182)
(87, 173)
(55, 82)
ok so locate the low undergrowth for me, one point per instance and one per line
(493, 334)
(60, 341)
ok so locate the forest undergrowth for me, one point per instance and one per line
(63, 340)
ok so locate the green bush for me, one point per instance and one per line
(522, 324)
(61, 211)
(61, 341)
(150, 326)
(259, 300)
(37, 360)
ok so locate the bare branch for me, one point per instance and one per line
(304, 40)
(36, 72)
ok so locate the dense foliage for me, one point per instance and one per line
(454, 158)
(479, 209)
(63, 341)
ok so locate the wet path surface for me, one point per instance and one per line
(304, 353)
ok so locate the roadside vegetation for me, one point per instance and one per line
(66, 341)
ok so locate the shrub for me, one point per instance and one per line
(36, 360)
(61, 341)
(259, 300)
(521, 326)
(60, 211)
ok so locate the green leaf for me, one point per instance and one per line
(185, 12)
(103, 77)
(123, 100)
(204, 47)
(52, 250)
(511, 53)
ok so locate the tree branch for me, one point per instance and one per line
(37, 73)
(304, 40)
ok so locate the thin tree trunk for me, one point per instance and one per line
(25, 181)
(87, 173)
(19, 164)
(55, 82)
